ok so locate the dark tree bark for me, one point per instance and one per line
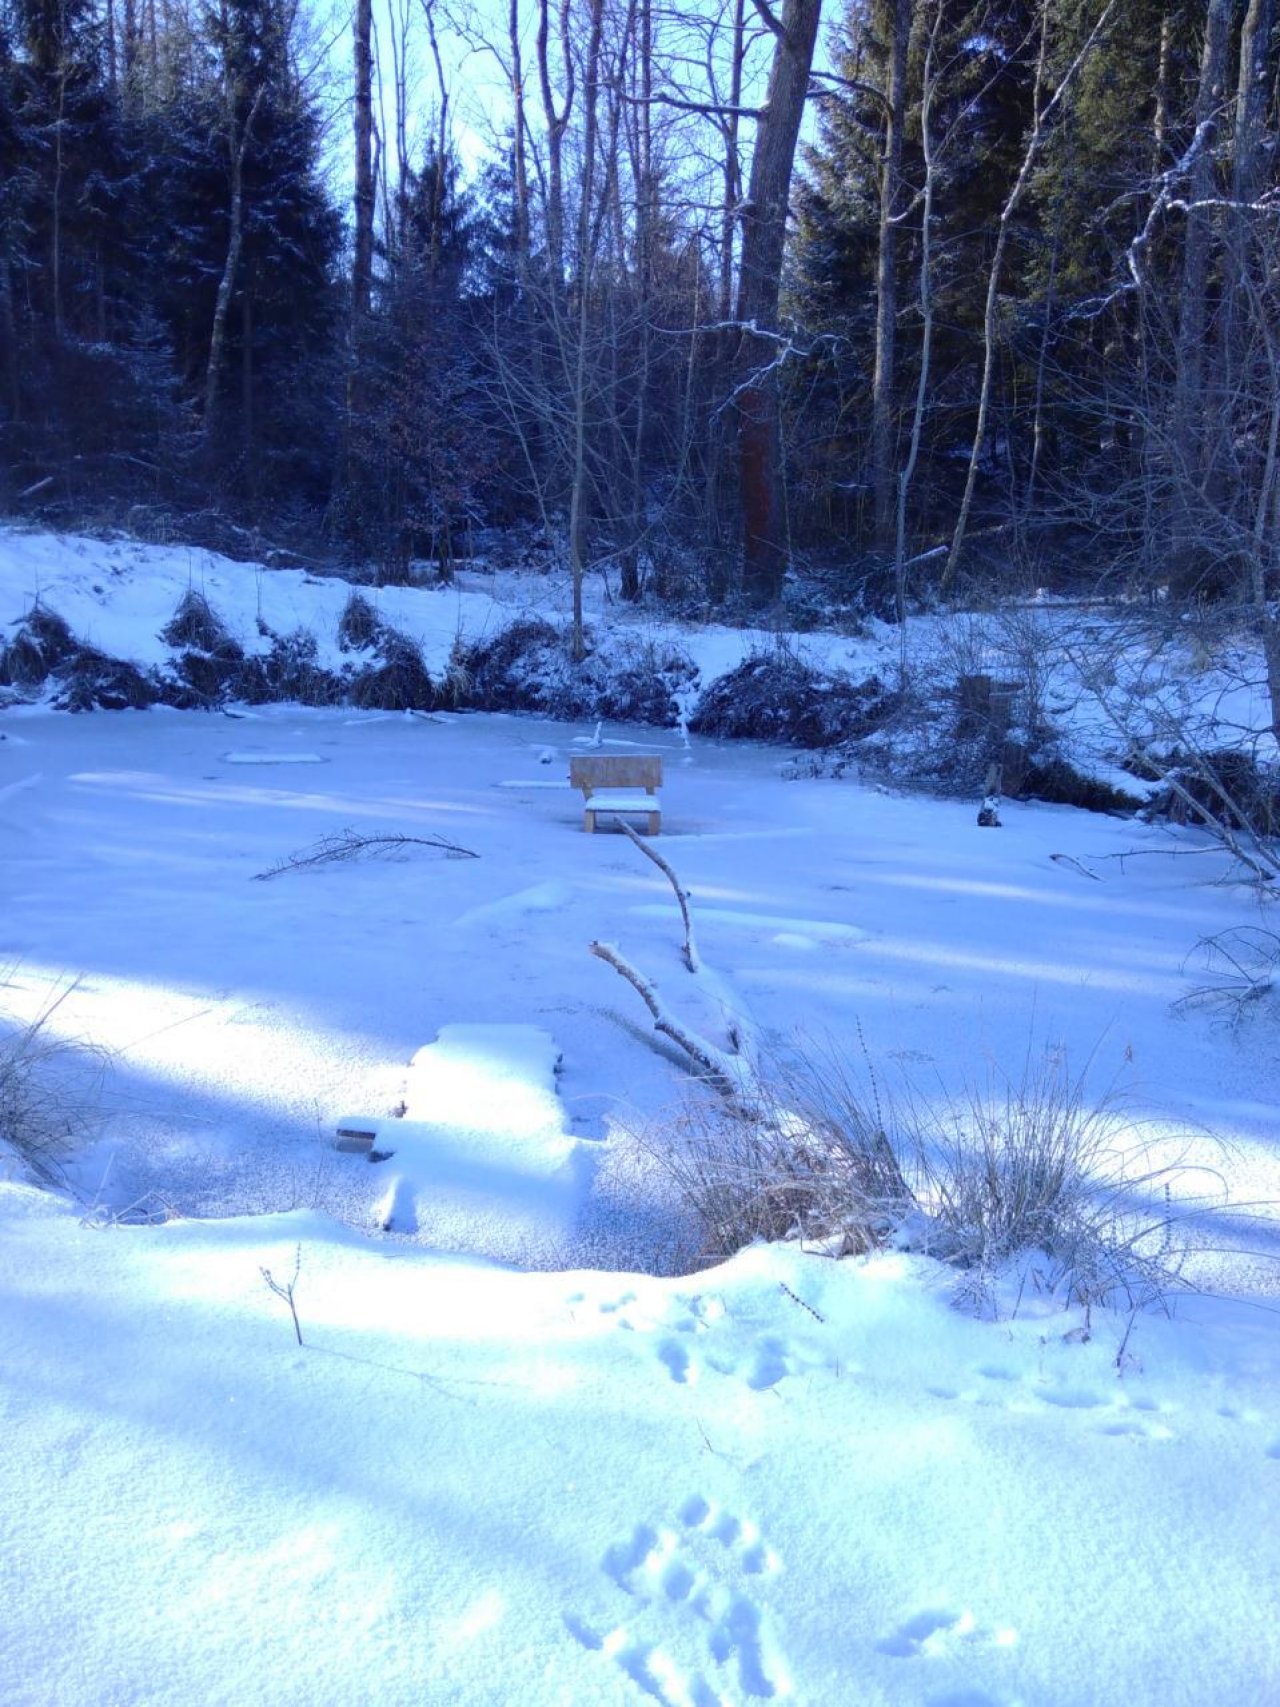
(883, 447)
(764, 227)
(362, 260)
(1193, 304)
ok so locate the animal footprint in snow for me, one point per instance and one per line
(941, 1631)
(696, 1636)
(773, 1359)
(679, 1365)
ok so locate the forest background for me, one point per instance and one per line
(970, 292)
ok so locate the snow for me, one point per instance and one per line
(480, 1156)
(506, 1465)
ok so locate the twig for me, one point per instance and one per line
(682, 895)
(285, 1290)
(1074, 863)
(797, 1299)
(349, 844)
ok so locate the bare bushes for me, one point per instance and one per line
(776, 695)
(50, 1092)
(980, 1181)
(1034, 1166)
(1186, 697)
(527, 667)
(394, 676)
(44, 655)
(396, 680)
(827, 1177)
(290, 670)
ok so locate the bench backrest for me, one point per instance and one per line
(616, 770)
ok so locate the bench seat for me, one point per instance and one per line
(620, 803)
(623, 800)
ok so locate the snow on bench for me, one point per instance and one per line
(619, 784)
(480, 1161)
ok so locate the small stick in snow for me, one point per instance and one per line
(682, 895)
(285, 1290)
(796, 1299)
(714, 1066)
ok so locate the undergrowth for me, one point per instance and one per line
(981, 1180)
(50, 1090)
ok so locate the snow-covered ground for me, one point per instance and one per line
(481, 1483)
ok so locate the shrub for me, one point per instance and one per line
(208, 669)
(40, 643)
(91, 681)
(50, 1092)
(1226, 787)
(359, 625)
(505, 670)
(290, 670)
(44, 651)
(810, 1160)
(194, 625)
(1034, 1167)
(527, 667)
(398, 681)
(1049, 776)
(775, 695)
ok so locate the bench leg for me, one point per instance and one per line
(655, 818)
(589, 821)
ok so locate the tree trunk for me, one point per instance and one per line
(235, 238)
(717, 504)
(586, 242)
(989, 320)
(928, 90)
(764, 229)
(883, 458)
(1188, 428)
(556, 123)
(362, 260)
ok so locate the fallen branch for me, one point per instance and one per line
(721, 1070)
(348, 844)
(690, 949)
(1075, 864)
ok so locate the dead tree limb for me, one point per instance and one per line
(690, 948)
(349, 844)
(719, 1069)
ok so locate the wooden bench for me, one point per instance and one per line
(619, 784)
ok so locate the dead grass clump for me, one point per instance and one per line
(41, 641)
(794, 1166)
(50, 1091)
(1033, 1166)
(359, 625)
(398, 681)
(195, 624)
(979, 1182)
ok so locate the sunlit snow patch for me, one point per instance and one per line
(481, 1161)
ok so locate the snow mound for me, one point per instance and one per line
(480, 1160)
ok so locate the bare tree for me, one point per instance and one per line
(362, 259)
(1042, 116)
(764, 224)
(891, 198)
